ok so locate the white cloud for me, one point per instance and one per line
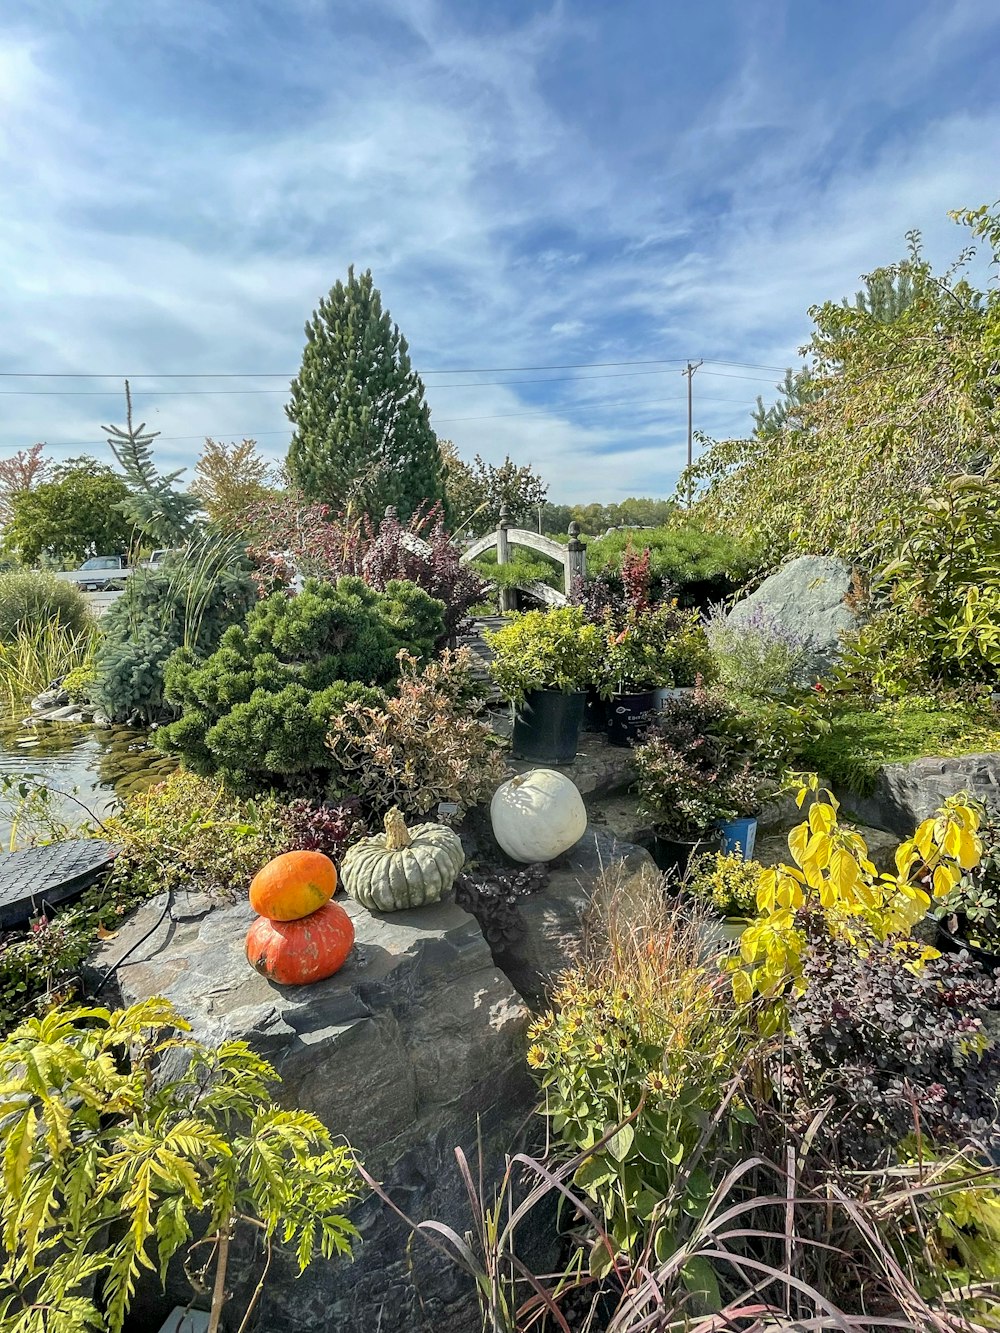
(498, 234)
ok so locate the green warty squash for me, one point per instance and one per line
(402, 867)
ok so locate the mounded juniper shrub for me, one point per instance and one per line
(685, 560)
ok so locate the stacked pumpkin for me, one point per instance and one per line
(300, 936)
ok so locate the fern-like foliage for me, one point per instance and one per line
(88, 1137)
(162, 514)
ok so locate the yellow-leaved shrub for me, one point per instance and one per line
(832, 873)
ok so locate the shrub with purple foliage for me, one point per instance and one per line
(323, 826)
(889, 1041)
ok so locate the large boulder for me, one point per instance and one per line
(809, 597)
(415, 1047)
(905, 794)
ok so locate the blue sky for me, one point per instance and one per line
(533, 185)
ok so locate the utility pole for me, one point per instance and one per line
(688, 372)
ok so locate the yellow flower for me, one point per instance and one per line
(655, 1081)
(536, 1057)
(598, 1049)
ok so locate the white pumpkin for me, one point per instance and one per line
(538, 815)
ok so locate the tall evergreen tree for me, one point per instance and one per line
(163, 515)
(363, 438)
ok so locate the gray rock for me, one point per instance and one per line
(772, 848)
(905, 794)
(411, 1049)
(54, 697)
(65, 713)
(808, 596)
(554, 919)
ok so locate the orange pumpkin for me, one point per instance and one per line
(294, 953)
(293, 885)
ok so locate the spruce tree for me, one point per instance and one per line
(363, 438)
(163, 516)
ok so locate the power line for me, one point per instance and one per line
(470, 384)
(440, 421)
(453, 370)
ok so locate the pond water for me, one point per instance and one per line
(98, 768)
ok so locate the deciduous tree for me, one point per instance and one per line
(231, 481)
(477, 491)
(901, 394)
(24, 471)
(75, 515)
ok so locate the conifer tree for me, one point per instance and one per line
(363, 438)
(161, 514)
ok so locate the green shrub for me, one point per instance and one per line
(698, 566)
(523, 567)
(726, 881)
(422, 747)
(188, 603)
(79, 682)
(188, 832)
(546, 650)
(30, 598)
(258, 709)
(115, 1160)
(937, 604)
(641, 1036)
(759, 656)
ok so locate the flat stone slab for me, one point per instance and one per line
(38, 876)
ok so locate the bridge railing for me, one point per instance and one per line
(572, 557)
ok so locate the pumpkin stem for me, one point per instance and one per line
(397, 835)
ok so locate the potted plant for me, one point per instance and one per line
(727, 882)
(631, 670)
(698, 783)
(687, 657)
(969, 916)
(544, 662)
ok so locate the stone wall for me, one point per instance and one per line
(905, 794)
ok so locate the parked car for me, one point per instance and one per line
(99, 573)
(157, 558)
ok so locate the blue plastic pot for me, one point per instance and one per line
(738, 837)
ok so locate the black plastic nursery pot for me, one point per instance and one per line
(673, 855)
(629, 715)
(547, 726)
(954, 941)
(595, 715)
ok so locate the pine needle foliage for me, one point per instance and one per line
(162, 514)
(363, 438)
(108, 1171)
